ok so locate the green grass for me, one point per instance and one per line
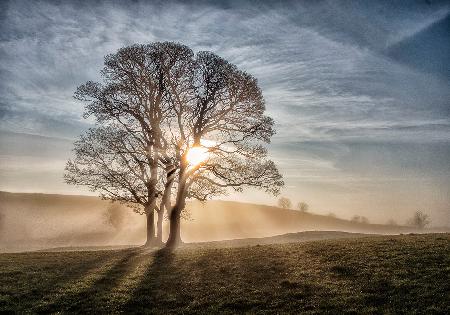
(391, 274)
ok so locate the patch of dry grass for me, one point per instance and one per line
(392, 274)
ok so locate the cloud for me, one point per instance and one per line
(326, 69)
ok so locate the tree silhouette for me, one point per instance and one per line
(114, 216)
(303, 206)
(391, 222)
(2, 222)
(284, 203)
(221, 109)
(359, 219)
(134, 97)
(167, 102)
(111, 161)
(420, 220)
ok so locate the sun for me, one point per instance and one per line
(197, 155)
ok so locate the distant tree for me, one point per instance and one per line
(331, 215)
(2, 222)
(392, 222)
(303, 206)
(364, 220)
(284, 203)
(115, 216)
(419, 220)
(359, 219)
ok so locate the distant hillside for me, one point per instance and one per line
(34, 221)
(228, 220)
(297, 237)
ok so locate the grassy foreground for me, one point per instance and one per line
(390, 274)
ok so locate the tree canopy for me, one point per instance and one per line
(157, 103)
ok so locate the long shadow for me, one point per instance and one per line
(51, 281)
(202, 280)
(83, 296)
(235, 280)
(152, 294)
(174, 279)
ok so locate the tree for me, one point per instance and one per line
(114, 163)
(420, 220)
(114, 216)
(303, 206)
(359, 219)
(391, 222)
(2, 222)
(172, 103)
(220, 111)
(284, 203)
(364, 220)
(133, 99)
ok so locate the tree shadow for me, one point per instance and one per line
(43, 280)
(233, 280)
(158, 280)
(89, 292)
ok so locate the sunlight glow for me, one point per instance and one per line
(197, 155)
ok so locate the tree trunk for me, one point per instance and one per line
(175, 214)
(165, 202)
(150, 228)
(159, 226)
(174, 228)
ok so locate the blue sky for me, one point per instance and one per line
(359, 91)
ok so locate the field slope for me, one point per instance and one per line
(384, 274)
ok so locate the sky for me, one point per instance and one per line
(359, 91)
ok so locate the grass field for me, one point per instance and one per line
(389, 274)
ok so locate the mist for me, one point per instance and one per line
(43, 221)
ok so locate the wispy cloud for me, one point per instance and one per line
(327, 77)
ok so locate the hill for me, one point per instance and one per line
(240, 242)
(36, 221)
(373, 275)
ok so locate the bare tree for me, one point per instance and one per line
(172, 103)
(359, 219)
(391, 222)
(134, 97)
(420, 220)
(364, 220)
(114, 216)
(220, 111)
(2, 222)
(303, 206)
(112, 162)
(284, 203)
